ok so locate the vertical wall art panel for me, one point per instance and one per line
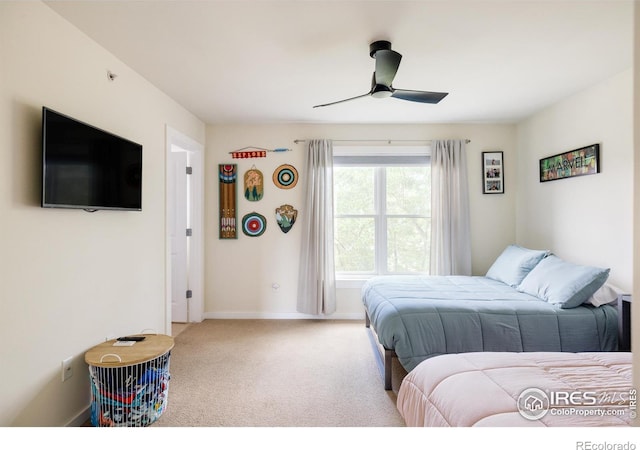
(492, 173)
(228, 175)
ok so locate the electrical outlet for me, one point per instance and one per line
(67, 370)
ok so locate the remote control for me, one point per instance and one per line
(131, 338)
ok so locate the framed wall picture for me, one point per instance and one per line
(578, 162)
(492, 173)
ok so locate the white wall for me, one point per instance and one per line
(69, 279)
(589, 219)
(240, 273)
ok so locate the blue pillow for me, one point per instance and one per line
(559, 282)
(514, 264)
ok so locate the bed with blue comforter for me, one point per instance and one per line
(418, 317)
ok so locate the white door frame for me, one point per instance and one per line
(196, 259)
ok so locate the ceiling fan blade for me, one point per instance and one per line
(419, 96)
(387, 63)
(345, 100)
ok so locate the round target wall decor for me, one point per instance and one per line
(254, 224)
(285, 176)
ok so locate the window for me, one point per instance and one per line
(382, 204)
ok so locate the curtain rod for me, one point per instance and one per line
(388, 141)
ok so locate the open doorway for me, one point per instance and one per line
(184, 220)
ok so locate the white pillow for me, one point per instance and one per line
(560, 282)
(605, 295)
(514, 263)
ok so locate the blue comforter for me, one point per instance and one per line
(424, 316)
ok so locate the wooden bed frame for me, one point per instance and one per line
(624, 338)
(386, 355)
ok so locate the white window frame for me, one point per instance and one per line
(377, 156)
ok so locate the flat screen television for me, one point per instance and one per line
(84, 167)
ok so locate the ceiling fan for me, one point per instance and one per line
(387, 63)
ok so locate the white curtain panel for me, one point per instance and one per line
(450, 222)
(316, 280)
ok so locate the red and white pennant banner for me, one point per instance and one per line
(248, 154)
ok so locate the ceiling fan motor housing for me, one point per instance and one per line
(378, 45)
(381, 91)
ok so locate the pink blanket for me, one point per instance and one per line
(541, 389)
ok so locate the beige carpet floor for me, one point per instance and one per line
(278, 373)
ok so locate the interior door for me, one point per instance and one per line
(179, 222)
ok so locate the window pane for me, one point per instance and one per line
(409, 190)
(353, 190)
(355, 244)
(408, 244)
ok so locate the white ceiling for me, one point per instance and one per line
(272, 61)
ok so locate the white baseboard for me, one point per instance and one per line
(262, 315)
(81, 419)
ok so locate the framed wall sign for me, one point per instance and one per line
(582, 161)
(492, 173)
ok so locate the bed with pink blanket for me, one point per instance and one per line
(539, 389)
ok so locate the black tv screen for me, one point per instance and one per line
(88, 168)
